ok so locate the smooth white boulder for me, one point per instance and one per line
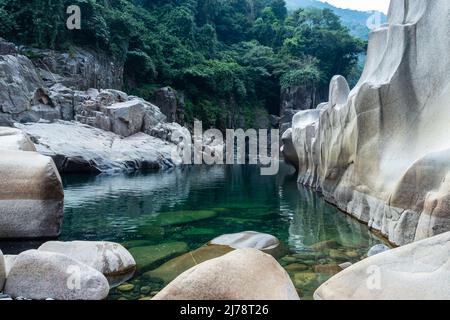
(111, 259)
(244, 274)
(15, 139)
(418, 271)
(31, 196)
(381, 152)
(2, 271)
(247, 239)
(40, 275)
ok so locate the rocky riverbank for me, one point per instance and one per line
(82, 270)
(63, 102)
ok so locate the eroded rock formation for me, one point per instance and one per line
(382, 151)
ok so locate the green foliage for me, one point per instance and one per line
(229, 57)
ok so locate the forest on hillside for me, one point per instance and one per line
(227, 56)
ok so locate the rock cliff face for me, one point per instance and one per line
(57, 98)
(382, 151)
(81, 69)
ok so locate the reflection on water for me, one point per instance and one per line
(145, 210)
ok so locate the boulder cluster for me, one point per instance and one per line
(66, 271)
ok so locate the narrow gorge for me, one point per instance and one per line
(93, 184)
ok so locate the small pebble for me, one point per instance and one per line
(126, 287)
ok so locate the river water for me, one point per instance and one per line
(181, 210)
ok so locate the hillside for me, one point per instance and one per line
(353, 19)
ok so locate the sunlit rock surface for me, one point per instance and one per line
(244, 274)
(31, 196)
(111, 259)
(40, 275)
(78, 148)
(418, 271)
(382, 151)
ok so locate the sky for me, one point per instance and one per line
(363, 5)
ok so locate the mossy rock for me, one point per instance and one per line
(220, 210)
(330, 269)
(324, 245)
(304, 279)
(126, 287)
(352, 254)
(152, 231)
(149, 257)
(173, 268)
(183, 217)
(199, 232)
(304, 256)
(296, 267)
(137, 243)
(338, 255)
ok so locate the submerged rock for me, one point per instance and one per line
(304, 279)
(327, 269)
(418, 271)
(111, 259)
(183, 217)
(149, 257)
(40, 275)
(31, 196)
(325, 245)
(173, 268)
(244, 274)
(296, 267)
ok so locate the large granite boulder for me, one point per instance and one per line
(111, 259)
(418, 271)
(245, 274)
(31, 196)
(381, 151)
(93, 150)
(41, 275)
(15, 139)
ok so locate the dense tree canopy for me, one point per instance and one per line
(229, 57)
